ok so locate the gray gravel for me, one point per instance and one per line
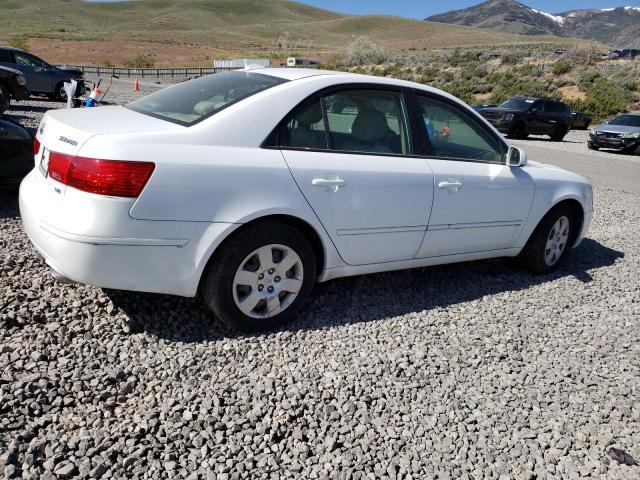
(464, 371)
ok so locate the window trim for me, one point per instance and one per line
(274, 139)
(422, 140)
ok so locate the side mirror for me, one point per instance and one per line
(516, 157)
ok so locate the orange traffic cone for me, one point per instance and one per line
(136, 87)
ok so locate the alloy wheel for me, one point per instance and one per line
(556, 241)
(268, 281)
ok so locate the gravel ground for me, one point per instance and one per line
(475, 370)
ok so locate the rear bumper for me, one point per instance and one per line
(157, 257)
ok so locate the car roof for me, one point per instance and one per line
(289, 73)
(538, 98)
(7, 47)
(293, 73)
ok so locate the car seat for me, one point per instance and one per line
(370, 132)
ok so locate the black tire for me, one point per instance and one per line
(532, 256)
(6, 93)
(518, 130)
(592, 147)
(558, 133)
(59, 94)
(217, 285)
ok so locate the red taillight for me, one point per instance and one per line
(116, 178)
(36, 146)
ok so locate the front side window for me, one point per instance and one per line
(451, 133)
(517, 104)
(27, 60)
(190, 102)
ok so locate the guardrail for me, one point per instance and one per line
(184, 72)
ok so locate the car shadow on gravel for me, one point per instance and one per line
(545, 139)
(364, 298)
(9, 201)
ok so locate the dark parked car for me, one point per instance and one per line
(479, 106)
(581, 121)
(13, 84)
(622, 134)
(16, 154)
(4, 103)
(519, 117)
(42, 78)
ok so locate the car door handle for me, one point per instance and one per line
(452, 185)
(328, 182)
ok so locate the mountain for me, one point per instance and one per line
(192, 32)
(619, 26)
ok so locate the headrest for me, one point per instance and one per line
(206, 106)
(369, 125)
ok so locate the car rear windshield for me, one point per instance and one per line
(628, 120)
(517, 104)
(191, 102)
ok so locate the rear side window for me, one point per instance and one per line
(359, 121)
(305, 128)
(191, 102)
(5, 56)
(371, 121)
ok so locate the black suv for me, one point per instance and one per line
(42, 78)
(519, 117)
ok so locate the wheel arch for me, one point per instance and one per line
(578, 211)
(308, 230)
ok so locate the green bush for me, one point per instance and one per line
(561, 67)
(362, 51)
(19, 42)
(512, 58)
(587, 78)
(605, 99)
(139, 61)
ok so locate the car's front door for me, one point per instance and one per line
(350, 152)
(36, 72)
(537, 124)
(480, 204)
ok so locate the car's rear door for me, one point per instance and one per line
(480, 204)
(351, 154)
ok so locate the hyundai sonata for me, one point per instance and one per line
(249, 187)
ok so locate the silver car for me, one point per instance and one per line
(622, 134)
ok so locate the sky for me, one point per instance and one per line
(424, 8)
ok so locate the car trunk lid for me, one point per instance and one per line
(65, 131)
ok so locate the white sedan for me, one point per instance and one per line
(250, 186)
